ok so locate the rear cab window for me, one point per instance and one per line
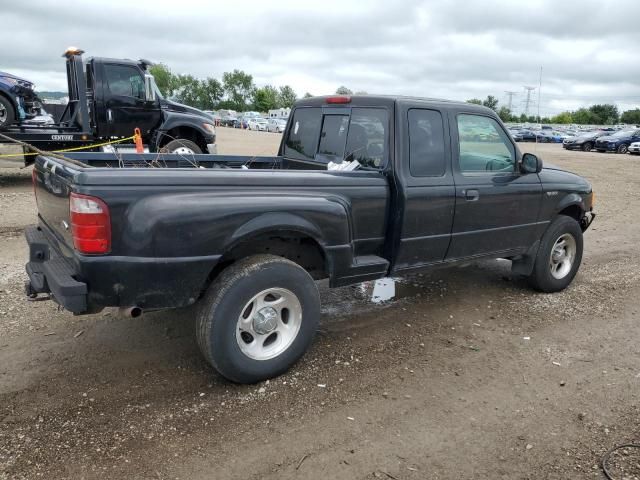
(339, 135)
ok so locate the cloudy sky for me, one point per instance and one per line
(588, 50)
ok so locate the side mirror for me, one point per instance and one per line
(530, 163)
(149, 89)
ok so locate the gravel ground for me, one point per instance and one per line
(465, 374)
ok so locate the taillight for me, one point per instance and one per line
(90, 224)
(339, 99)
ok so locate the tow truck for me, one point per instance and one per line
(108, 100)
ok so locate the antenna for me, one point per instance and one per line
(526, 107)
(510, 95)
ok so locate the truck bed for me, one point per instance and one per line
(181, 221)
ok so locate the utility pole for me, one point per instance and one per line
(528, 101)
(510, 95)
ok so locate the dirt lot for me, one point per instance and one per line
(466, 374)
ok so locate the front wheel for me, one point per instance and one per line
(181, 146)
(587, 146)
(559, 256)
(624, 148)
(258, 318)
(7, 113)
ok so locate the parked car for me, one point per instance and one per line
(525, 136)
(618, 142)
(559, 137)
(18, 100)
(583, 141)
(241, 122)
(276, 125)
(258, 124)
(543, 136)
(228, 121)
(634, 148)
(363, 187)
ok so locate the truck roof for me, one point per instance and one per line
(389, 100)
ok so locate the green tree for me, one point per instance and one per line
(607, 113)
(505, 114)
(307, 95)
(265, 98)
(188, 90)
(491, 102)
(564, 117)
(211, 90)
(238, 87)
(584, 116)
(286, 97)
(475, 101)
(631, 117)
(165, 80)
(342, 90)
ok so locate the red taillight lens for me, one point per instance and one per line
(90, 224)
(339, 99)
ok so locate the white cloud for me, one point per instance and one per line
(444, 49)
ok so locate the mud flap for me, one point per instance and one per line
(523, 264)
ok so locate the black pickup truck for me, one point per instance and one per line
(363, 187)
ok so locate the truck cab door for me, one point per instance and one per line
(426, 189)
(126, 106)
(497, 206)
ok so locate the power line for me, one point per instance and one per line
(510, 95)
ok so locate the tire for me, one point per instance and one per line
(587, 146)
(7, 113)
(543, 277)
(623, 148)
(230, 319)
(181, 147)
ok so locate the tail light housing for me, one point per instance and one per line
(90, 224)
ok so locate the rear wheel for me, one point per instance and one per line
(624, 148)
(7, 113)
(559, 256)
(587, 146)
(258, 318)
(181, 146)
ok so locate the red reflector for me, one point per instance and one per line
(339, 99)
(90, 224)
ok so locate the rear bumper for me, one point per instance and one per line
(87, 284)
(53, 274)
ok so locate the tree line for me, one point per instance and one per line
(601, 114)
(235, 91)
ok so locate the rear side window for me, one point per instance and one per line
(368, 137)
(426, 143)
(303, 134)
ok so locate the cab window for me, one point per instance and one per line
(125, 81)
(484, 146)
(359, 134)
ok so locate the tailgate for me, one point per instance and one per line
(52, 185)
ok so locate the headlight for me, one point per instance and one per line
(209, 128)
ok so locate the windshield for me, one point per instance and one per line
(623, 133)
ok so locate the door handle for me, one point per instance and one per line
(471, 195)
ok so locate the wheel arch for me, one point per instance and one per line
(186, 132)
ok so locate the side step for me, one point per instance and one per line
(364, 267)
